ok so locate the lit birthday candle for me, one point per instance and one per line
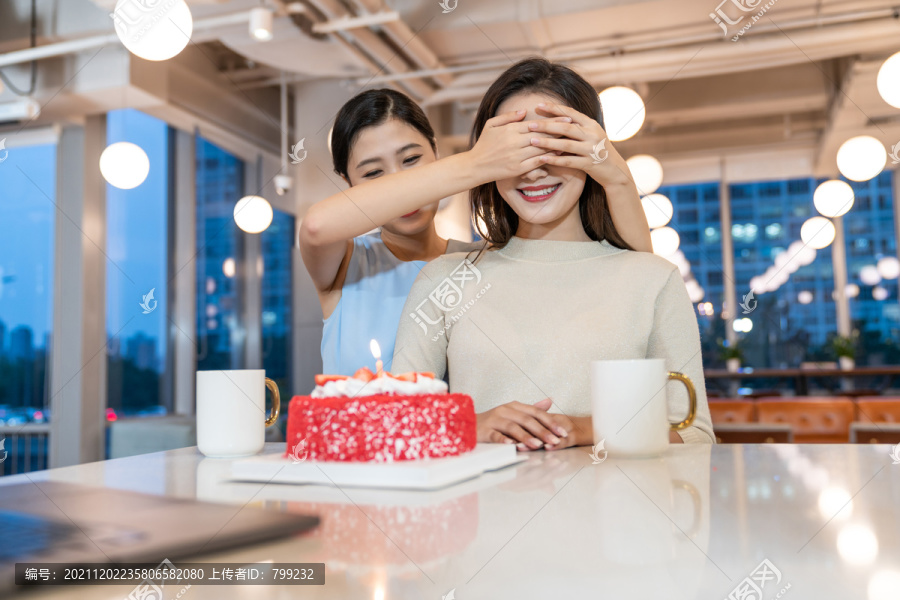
(376, 352)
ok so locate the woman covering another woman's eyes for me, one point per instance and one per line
(384, 147)
(560, 287)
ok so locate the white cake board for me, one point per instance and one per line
(409, 474)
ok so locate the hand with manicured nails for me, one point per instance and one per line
(504, 148)
(576, 145)
(528, 426)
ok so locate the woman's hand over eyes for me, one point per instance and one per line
(583, 145)
(528, 426)
(504, 148)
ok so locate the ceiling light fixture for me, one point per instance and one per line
(153, 33)
(623, 112)
(261, 19)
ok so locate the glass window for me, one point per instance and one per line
(686, 216)
(774, 231)
(771, 189)
(870, 237)
(744, 232)
(741, 191)
(802, 210)
(771, 210)
(136, 273)
(220, 184)
(747, 254)
(742, 276)
(690, 237)
(27, 214)
(796, 321)
(700, 243)
(277, 250)
(798, 187)
(687, 194)
(741, 211)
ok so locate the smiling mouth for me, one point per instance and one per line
(538, 194)
(415, 212)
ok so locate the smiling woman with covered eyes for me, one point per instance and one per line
(560, 285)
(384, 147)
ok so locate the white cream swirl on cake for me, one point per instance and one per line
(350, 387)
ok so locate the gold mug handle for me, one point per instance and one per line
(692, 412)
(276, 402)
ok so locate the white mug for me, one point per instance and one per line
(630, 411)
(231, 412)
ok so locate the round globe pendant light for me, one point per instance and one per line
(623, 112)
(229, 267)
(124, 165)
(800, 255)
(253, 214)
(888, 81)
(833, 198)
(665, 241)
(694, 290)
(888, 267)
(647, 173)
(861, 158)
(153, 33)
(658, 210)
(817, 232)
(869, 275)
(884, 585)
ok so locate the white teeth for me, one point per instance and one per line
(541, 192)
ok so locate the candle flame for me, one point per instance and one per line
(375, 348)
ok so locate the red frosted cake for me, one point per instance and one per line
(382, 418)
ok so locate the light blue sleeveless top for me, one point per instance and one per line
(375, 290)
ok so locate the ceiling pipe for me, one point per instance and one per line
(375, 52)
(758, 28)
(98, 41)
(346, 23)
(17, 57)
(483, 66)
(410, 41)
(690, 62)
(667, 43)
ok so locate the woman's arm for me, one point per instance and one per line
(500, 152)
(328, 224)
(676, 338)
(628, 214)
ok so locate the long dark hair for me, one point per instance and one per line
(369, 108)
(536, 75)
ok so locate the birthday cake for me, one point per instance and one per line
(379, 418)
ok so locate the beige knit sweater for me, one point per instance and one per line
(525, 322)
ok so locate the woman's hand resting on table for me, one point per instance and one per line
(531, 427)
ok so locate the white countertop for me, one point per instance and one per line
(691, 524)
